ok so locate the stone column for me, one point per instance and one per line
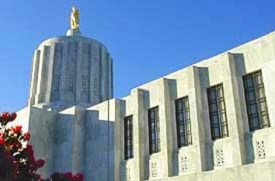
(63, 73)
(95, 74)
(78, 139)
(78, 72)
(166, 122)
(49, 73)
(119, 137)
(237, 68)
(199, 127)
(34, 76)
(201, 77)
(42, 125)
(43, 67)
(138, 100)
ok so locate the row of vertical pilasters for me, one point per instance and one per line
(71, 71)
(228, 151)
(102, 149)
(59, 138)
(42, 127)
(69, 140)
(202, 154)
(138, 170)
(141, 163)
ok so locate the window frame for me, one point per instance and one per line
(128, 137)
(257, 100)
(154, 143)
(215, 116)
(184, 137)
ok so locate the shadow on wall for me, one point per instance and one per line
(243, 126)
(99, 148)
(74, 140)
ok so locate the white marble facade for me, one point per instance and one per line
(84, 131)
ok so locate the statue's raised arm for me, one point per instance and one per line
(74, 18)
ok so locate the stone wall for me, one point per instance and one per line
(205, 158)
(77, 138)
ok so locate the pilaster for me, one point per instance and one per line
(78, 78)
(49, 73)
(140, 139)
(34, 76)
(166, 122)
(78, 140)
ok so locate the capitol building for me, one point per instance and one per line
(211, 121)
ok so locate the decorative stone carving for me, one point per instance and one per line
(183, 164)
(261, 149)
(84, 84)
(128, 174)
(95, 87)
(71, 83)
(57, 83)
(219, 157)
(154, 169)
(128, 171)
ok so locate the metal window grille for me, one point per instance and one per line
(57, 83)
(71, 83)
(183, 122)
(217, 112)
(84, 83)
(256, 101)
(128, 137)
(154, 130)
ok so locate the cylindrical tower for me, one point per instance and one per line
(71, 70)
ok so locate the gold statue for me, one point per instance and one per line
(74, 18)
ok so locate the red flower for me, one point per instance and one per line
(29, 147)
(68, 175)
(17, 163)
(5, 116)
(2, 141)
(16, 129)
(27, 136)
(17, 144)
(30, 154)
(12, 116)
(39, 163)
(79, 177)
(8, 117)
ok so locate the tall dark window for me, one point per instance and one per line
(154, 130)
(128, 137)
(256, 101)
(217, 112)
(183, 122)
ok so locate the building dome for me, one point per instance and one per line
(71, 70)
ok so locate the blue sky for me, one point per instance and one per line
(147, 38)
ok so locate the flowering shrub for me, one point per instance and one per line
(17, 162)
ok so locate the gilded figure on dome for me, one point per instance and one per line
(74, 18)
